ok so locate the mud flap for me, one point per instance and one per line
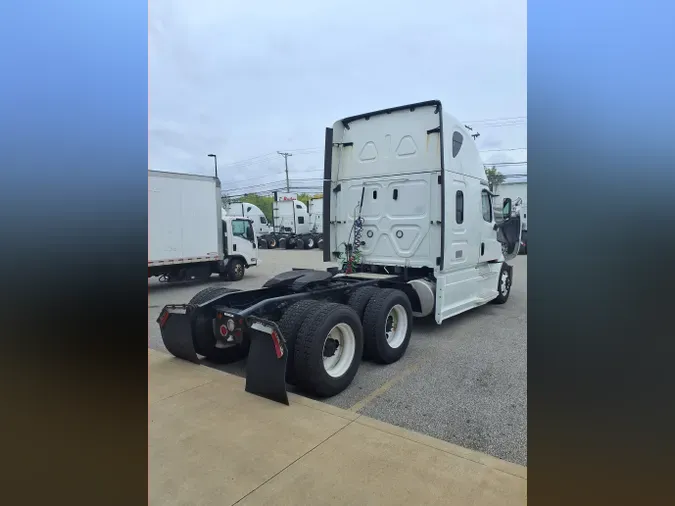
(266, 364)
(174, 323)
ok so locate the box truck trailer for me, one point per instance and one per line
(188, 236)
(409, 217)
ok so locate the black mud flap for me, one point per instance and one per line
(174, 323)
(266, 364)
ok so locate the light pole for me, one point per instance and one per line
(215, 161)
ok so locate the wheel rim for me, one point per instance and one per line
(238, 270)
(396, 326)
(504, 283)
(310, 243)
(339, 349)
(273, 243)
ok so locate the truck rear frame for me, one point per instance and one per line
(252, 320)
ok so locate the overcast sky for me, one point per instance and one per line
(245, 79)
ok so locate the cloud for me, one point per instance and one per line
(242, 79)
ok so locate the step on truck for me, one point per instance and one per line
(188, 236)
(408, 216)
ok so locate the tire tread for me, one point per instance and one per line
(372, 326)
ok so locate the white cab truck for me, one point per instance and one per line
(188, 236)
(408, 215)
(252, 212)
(291, 222)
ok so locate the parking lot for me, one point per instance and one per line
(464, 381)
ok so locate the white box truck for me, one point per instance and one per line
(188, 237)
(409, 216)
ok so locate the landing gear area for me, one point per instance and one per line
(289, 241)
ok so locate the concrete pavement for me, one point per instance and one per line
(477, 359)
(210, 442)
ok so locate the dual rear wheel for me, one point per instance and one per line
(327, 341)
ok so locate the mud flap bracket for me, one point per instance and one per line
(267, 359)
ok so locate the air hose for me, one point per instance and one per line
(353, 250)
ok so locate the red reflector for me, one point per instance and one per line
(163, 318)
(223, 330)
(277, 345)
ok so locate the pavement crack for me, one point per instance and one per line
(296, 460)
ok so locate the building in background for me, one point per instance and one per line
(512, 190)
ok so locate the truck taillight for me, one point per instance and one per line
(163, 318)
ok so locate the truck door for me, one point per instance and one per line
(243, 240)
(490, 248)
(509, 232)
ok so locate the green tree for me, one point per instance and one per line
(494, 177)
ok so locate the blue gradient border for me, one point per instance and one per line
(601, 176)
(73, 214)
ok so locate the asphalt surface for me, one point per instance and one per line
(464, 381)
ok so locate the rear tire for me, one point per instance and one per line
(272, 242)
(328, 349)
(387, 324)
(282, 243)
(209, 293)
(299, 244)
(359, 299)
(289, 325)
(262, 244)
(309, 243)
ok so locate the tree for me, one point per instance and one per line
(494, 177)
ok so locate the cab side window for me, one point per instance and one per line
(459, 207)
(240, 228)
(486, 202)
(457, 140)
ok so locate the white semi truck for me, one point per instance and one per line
(409, 217)
(252, 212)
(292, 227)
(188, 236)
(316, 218)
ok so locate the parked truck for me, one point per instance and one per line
(262, 227)
(188, 236)
(290, 218)
(316, 219)
(409, 218)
